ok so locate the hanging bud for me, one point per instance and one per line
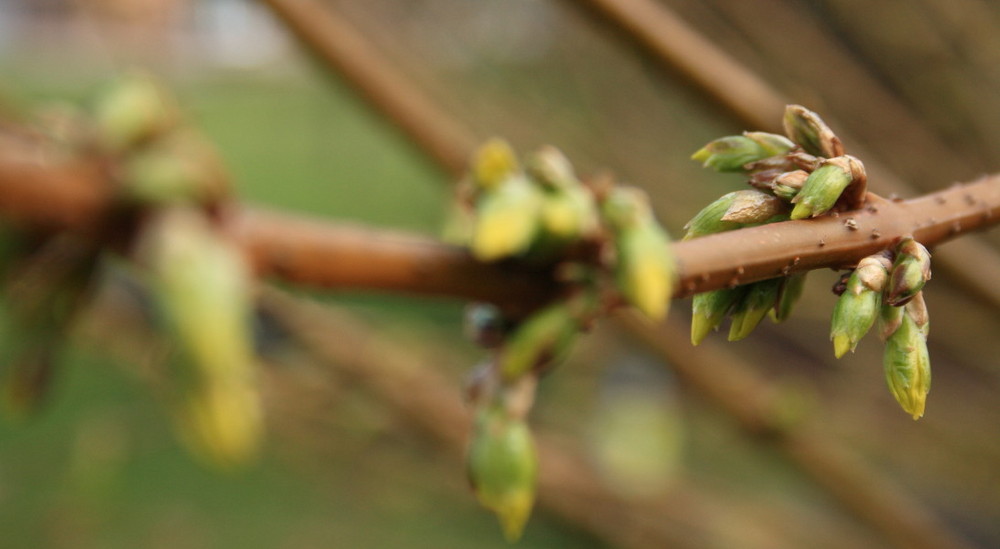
(822, 188)
(808, 130)
(788, 184)
(132, 110)
(201, 286)
(760, 297)
(543, 339)
(645, 268)
(910, 271)
(709, 219)
(916, 309)
(493, 163)
(907, 367)
(550, 168)
(708, 309)
(503, 468)
(179, 169)
(507, 219)
(750, 207)
(856, 309)
(788, 294)
(772, 143)
(730, 154)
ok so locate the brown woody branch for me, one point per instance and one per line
(322, 254)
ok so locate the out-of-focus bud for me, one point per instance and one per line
(201, 285)
(856, 309)
(503, 468)
(709, 219)
(910, 271)
(772, 143)
(759, 298)
(507, 219)
(808, 130)
(43, 295)
(907, 367)
(485, 325)
(708, 309)
(544, 338)
(788, 294)
(568, 214)
(730, 154)
(822, 188)
(551, 169)
(179, 169)
(493, 163)
(788, 184)
(645, 269)
(750, 207)
(132, 110)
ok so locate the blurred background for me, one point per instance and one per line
(913, 85)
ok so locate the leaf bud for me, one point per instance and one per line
(709, 219)
(645, 269)
(507, 220)
(772, 143)
(550, 168)
(855, 312)
(493, 163)
(132, 110)
(910, 271)
(708, 309)
(730, 154)
(542, 339)
(751, 206)
(788, 295)
(907, 367)
(502, 466)
(788, 184)
(808, 130)
(822, 188)
(759, 298)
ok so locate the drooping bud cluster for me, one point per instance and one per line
(805, 174)
(602, 243)
(887, 288)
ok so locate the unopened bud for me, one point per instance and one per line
(503, 468)
(709, 219)
(180, 169)
(808, 130)
(645, 269)
(873, 272)
(788, 294)
(822, 188)
(788, 184)
(569, 213)
(855, 312)
(889, 319)
(132, 110)
(910, 271)
(772, 143)
(916, 309)
(759, 298)
(730, 154)
(544, 338)
(750, 206)
(907, 367)
(708, 309)
(493, 163)
(551, 169)
(507, 219)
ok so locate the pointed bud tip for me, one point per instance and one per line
(841, 344)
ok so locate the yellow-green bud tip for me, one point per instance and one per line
(841, 344)
(493, 162)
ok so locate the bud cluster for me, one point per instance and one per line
(600, 241)
(886, 289)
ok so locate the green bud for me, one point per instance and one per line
(822, 188)
(788, 295)
(759, 298)
(854, 314)
(788, 184)
(550, 168)
(568, 214)
(916, 309)
(493, 163)
(709, 219)
(132, 110)
(808, 130)
(626, 207)
(750, 207)
(889, 320)
(180, 169)
(507, 220)
(910, 271)
(708, 309)
(730, 154)
(200, 284)
(503, 468)
(907, 367)
(544, 338)
(772, 143)
(646, 269)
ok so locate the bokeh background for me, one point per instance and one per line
(914, 83)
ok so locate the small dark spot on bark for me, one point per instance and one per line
(876, 234)
(851, 224)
